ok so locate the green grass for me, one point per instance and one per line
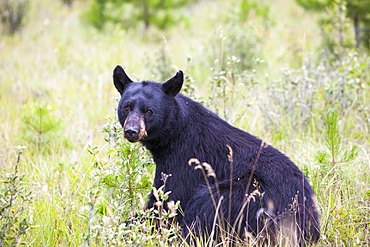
(82, 198)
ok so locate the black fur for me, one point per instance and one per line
(179, 129)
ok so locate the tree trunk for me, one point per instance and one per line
(146, 14)
(357, 30)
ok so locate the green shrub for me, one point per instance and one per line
(121, 181)
(15, 201)
(303, 94)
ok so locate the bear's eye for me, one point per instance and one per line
(149, 111)
(126, 108)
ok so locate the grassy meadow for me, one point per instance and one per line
(68, 178)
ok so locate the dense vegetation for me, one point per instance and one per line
(68, 178)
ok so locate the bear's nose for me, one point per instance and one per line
(131, 133)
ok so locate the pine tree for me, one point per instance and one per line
(159, 13)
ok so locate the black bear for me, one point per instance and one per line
(250, 188)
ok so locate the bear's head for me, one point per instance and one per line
(145, 106)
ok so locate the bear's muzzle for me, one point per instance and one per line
(134, 127)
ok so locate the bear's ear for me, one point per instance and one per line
(173, 85)
(120, 79)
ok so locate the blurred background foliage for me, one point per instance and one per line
(296, 73)
(357, 11)
(165, 13)
(13, 14)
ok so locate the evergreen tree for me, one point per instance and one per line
(160, 13)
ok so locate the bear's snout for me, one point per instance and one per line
(132, 134)
(134, 127)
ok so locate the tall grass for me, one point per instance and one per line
(86, 181)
